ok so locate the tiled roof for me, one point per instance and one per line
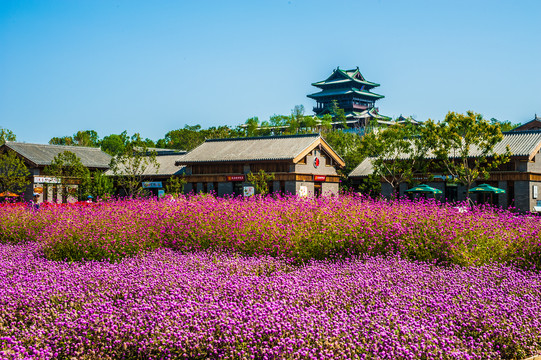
(162, 151)
(254, 149)
(166, 167)
(344, 92)
(348, 75)
(382, 119)
(344, 81)
(365, 168)
(521, 144)
(43, 155)
(532, 124)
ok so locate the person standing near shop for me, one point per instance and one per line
(34, 204)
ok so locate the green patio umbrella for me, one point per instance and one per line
(485, 188)
(425, 189)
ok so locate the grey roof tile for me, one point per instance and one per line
(166, 167)
(365, 168)
(42, 155)
(521, 143)
(250, 149)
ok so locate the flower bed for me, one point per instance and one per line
(209, 305)
(292, 228)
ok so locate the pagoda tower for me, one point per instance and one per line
(351, 92)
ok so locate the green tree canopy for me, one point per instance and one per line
(260, 180)
(14, 175)
(397, 152)
(175, 185)
(115, 144)
(252, 126)
(338, 114)
(66, 164)
(348, 146)
(132, 165)
(88, 138)
(183, 139)
(98, 185)
(6, 135)
(456, 138)
(505, 125)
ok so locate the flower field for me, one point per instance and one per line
(268, 278)
(290, 228)
(203, 305)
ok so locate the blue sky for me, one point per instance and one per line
(154, 66)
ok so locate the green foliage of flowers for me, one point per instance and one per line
(290, 227)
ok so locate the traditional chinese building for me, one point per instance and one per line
(350, 91)
(534, 124)
(301, 164)
(520, 177)
(156, 175)
(37, 156)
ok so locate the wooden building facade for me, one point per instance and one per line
(301, 165)
(520, 177)
(37, 156)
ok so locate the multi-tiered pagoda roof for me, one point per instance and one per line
(351, 92)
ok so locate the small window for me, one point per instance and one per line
(303, 161)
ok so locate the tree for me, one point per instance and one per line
(397, 152)
(338, 114)
(6, 135)
(81, 138)
(115, 144)
(98, 185)
(187, 138)
(348, 146)
(504, 125)
(455, 140)
(86, 138)
(175, 185)
(260, 181)
(67, 165)
(64, 140)
(265, 129)
(131, 165)
(252, 125)
(371, 185)
(14, 175)
(325, 123)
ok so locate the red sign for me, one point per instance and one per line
(320, 177)
(316, 162)
(235, 178)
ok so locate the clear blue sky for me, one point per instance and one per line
(154, 66)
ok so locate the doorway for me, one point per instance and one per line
(317, 189)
